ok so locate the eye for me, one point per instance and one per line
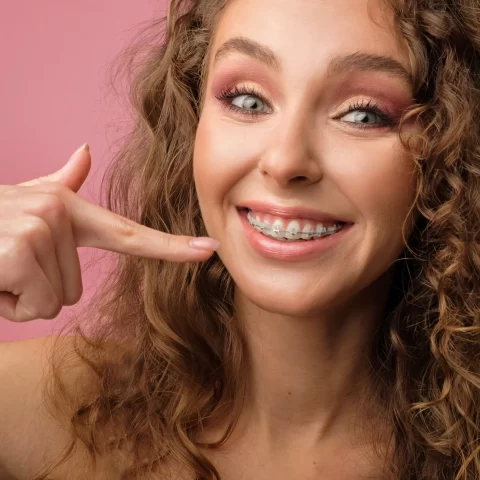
(366, 115)
(248, 102)
(359, 116)
(244, 101)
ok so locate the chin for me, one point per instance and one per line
(295, 299)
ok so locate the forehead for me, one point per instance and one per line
(305, 33)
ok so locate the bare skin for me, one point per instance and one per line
(42, 223)
(29, 436)
(308, 324)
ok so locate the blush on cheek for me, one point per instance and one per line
(200, 150)
(215, 161)
(229, 147)
(375, 175)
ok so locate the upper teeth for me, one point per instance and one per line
(291, 231)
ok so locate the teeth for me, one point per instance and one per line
(276, 229)
(292, 231)
(308, 232)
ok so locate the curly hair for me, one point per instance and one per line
(178, 354)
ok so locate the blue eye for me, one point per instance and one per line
(366, 115)
(244, 101)
(248, 102)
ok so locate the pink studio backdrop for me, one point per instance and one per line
(54, 95)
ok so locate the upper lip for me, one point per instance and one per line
(291, 212)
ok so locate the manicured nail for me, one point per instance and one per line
(204, 243)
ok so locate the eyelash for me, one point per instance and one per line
(369, 106)
(229, 94)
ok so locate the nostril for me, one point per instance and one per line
(300, 178)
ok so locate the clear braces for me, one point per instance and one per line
(293, 231)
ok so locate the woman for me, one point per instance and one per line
(331, 148)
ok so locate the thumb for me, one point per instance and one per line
(72, 174)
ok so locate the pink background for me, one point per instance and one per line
(55, 96)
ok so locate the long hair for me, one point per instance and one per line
(164, 354)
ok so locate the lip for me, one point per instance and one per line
(271, 248)
(302, 213)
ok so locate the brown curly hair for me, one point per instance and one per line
(177, 356)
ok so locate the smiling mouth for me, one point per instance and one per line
(293, 230)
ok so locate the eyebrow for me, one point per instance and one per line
(362, 61)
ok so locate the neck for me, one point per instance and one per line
(309, 377)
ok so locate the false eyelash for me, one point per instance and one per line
(228, 94)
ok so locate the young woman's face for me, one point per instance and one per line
(299, 126)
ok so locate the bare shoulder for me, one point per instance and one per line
(29, 436)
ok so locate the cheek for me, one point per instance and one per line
(225, 153)
(377, 177)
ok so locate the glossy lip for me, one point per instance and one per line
(302, 213)
(268, 247)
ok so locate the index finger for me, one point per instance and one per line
(97, 227)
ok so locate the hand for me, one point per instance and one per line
(43, 221)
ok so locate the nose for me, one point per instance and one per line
(289, 157)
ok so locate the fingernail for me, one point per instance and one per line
(85, 146)
(204, 243)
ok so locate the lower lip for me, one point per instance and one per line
(289, 251)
